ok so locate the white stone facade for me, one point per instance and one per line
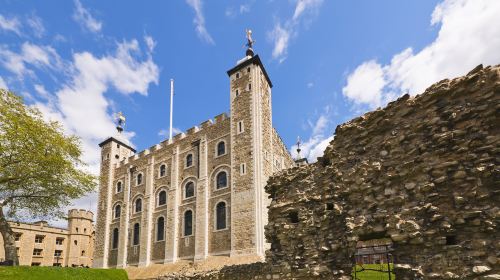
(214, 173)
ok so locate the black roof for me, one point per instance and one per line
(116, 140)
(253, 60)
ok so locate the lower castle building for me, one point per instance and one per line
(198, 194)
(39, 244)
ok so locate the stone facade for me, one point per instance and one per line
(422, 172)
(157, 233)
(43, 245)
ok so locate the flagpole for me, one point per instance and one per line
(171, 106)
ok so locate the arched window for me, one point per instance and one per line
(118, 211)
(137, 229)
(189, 160)
(189, 190)
(220, 215)
(114, 243)
(188, 223)
(162, 198)
(139, 178)
(221, 180)
(160, 229)
(163, 170)
(138, 205)
(119, 187)
(221, 148)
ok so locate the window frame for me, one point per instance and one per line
(158, 198)
(119, 184)
(184, 189)
(217, 148)
(115, 234)
(217, 179)
(157, 230)
(136, 234)
(117, 204)
(191, 160)
(240, 127)
(141, 176)
(135, 204)
(184, 223)
(216, 217)
(160, 169)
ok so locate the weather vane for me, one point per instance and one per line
(120, 121)
(250, 42)
(298, 147)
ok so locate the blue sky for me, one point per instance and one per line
(82, 61)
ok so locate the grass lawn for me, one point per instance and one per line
(372, 275)
(60, 273)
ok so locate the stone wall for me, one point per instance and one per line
(423, 172)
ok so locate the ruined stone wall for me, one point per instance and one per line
(423, 172)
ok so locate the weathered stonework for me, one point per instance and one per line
(251, 145)
(423, 172)
(74, 245)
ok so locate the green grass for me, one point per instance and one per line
(373, 275)
(60, 273)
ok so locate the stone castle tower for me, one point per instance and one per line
(198, 194)
(81, 237)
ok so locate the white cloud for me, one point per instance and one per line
(365, 84)
(10, 24)
(245, 8)
(318, 141)
(467, 37)
(281, 37)
(281, 34)
(85, 19)
(310, 85)
(31, 54)
(3, 84)
(232, 12)
(164, 132)
(36, 25)
(150, 42)
(199, 20)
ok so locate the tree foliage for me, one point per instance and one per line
(41, 169)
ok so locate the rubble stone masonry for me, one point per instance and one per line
(423, 172)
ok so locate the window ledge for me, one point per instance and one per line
(220, 230)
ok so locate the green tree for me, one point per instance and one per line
(41, 169)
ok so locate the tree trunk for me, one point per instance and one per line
(9, 240)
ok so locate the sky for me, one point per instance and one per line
(80, 62)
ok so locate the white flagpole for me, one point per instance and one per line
(171, 106)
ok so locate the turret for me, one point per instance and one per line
(113, 150)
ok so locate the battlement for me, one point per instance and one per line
(176, 138)
(80, 214)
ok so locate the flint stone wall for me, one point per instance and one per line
(423, 171)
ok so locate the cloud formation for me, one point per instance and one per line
(199, 21)
(459, 46)
(30, 55)
(320, 137)
(85, 18)
(281, 34)
(10, 24)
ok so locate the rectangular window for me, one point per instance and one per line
(35, 264)
(243, 169)
(18, 236)
(39, 239)
(59, 241)
(240, 127)
(56, 264)
(237, 93)
(57, 253)
(37, 252)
